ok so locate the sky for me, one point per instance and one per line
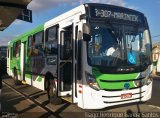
(44, 10)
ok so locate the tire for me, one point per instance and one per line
(16, 81)
(52, 92)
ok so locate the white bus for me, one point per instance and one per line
(95, 55)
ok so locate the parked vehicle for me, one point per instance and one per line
(95, 55)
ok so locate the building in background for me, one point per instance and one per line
(3, 61)
(155, 56)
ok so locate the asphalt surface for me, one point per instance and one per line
(30, 102)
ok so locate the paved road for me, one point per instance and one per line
(15, 102)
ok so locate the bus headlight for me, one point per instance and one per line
(139, 83)
(91, 81)
(145, 81)
(148, 80)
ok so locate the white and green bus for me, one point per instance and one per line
(95, 55)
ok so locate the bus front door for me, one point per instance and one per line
(65, 58)
(23, 55)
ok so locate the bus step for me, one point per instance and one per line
(67, 98)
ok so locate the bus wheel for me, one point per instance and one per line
(15, 77)
(52, 93)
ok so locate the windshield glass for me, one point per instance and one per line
(119, 45)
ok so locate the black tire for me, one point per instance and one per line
(52, 92)
(15, 77)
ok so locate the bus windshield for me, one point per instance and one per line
(119, 45)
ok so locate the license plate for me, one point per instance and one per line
(126, 95)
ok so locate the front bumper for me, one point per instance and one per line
(93, 99)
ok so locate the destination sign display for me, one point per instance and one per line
(116, 13)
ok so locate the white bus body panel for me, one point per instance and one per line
(38, 84)
(28, 80)
(93, 99)
(8, 60)
(22, 61)
(9, 71)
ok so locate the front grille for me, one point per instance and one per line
(124, 100)
(112, 81)
(122, 89)
(120, 95)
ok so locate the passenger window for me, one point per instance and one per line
(37, 44)
(66, 43)
(51, 41)
(11, 52)
(29, 45)
(38, 38)
(16, 49)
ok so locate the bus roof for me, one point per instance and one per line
(88, 7)
(62, 17)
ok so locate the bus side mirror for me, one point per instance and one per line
(86, 32)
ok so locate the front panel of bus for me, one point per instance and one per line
(117, 56)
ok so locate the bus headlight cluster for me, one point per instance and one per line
(139, 83)
(91, 81)
(146, 81)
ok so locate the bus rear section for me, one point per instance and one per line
(116, 57)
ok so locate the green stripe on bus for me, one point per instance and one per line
(113, 77)
(116, 85)
(39, 78)
(28, 76)
(18, 72)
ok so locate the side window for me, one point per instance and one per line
(29, 41)
(38, 38)
(66, 43)
(36, 44)
(29, 46)
(11, 52)
(51, 41)
(16, 49)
